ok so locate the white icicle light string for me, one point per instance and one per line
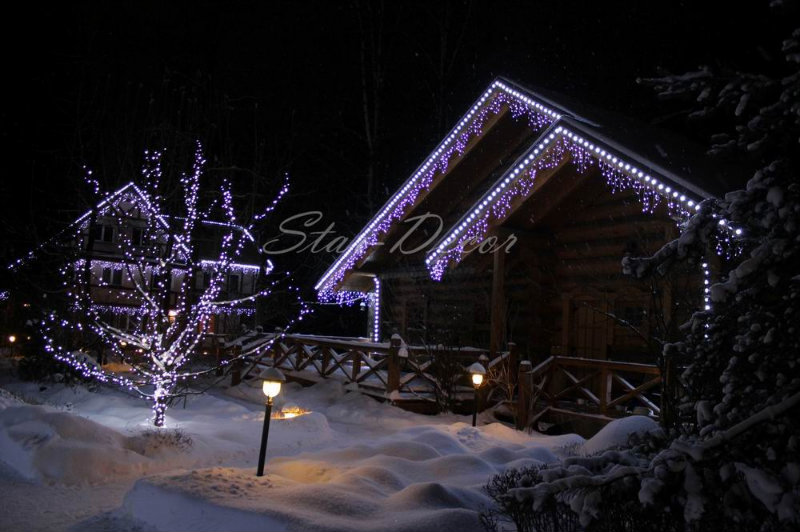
(518, 181)
(498, 95)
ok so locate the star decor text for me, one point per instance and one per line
(298, 234)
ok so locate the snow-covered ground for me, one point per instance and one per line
(76, 459)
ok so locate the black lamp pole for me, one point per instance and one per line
(264, 435)
(475, 411)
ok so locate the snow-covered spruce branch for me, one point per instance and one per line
(698, 450)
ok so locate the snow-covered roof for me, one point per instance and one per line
(556, 127)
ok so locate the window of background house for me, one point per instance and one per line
(136, 236)
(233, 283)
(103, 233)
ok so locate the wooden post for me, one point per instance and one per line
(217, 354)
(393, 376)
(524, 395)
(513, 361)
(326, 360)
(498, 315)
(605, 389)
(566, 316)
(236, 372)
(356, 358)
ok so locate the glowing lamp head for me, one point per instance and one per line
(273, 379)
(12, 339)
(477, 372)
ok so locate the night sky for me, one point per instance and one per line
(277, 86)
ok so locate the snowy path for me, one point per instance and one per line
(76, 460)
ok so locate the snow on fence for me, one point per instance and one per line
(562, 385)
(388, 370)
(584, 387)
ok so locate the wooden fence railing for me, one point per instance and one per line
(390, 370)
(571, 386)
(603, 389)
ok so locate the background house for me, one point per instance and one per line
(121, 220)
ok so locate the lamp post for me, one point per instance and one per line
(271, 386)
(477, 371)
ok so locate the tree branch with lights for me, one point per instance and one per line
(168, 312)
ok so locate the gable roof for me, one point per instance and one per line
(165, 221)
(556, 129)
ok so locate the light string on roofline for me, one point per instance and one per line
(106, 198)
(518, 182)
(497, 97)
(165, 335)
(375, 306)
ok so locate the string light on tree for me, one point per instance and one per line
(167, 310)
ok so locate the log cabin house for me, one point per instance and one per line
(517, 223)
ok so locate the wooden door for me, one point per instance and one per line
(589, 328)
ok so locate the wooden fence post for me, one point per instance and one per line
(393, 373)
(356, 358)
(513, 361)
(220, 370)
(236, 371)
(326, 360)
(524, 395)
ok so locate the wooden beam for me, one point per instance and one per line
(566, 317)
(618, 229)
(633, 367)
(637, 392)
(498, 316)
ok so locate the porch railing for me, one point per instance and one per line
(602, 389)
(571, 386)
(391, 370)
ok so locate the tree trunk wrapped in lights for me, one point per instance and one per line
(167, 310)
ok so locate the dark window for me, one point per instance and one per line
(206, 280)
(106, 275)
(116, 278)
(233, 283)
(103, 233)
(136, 236)
(106, 233)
